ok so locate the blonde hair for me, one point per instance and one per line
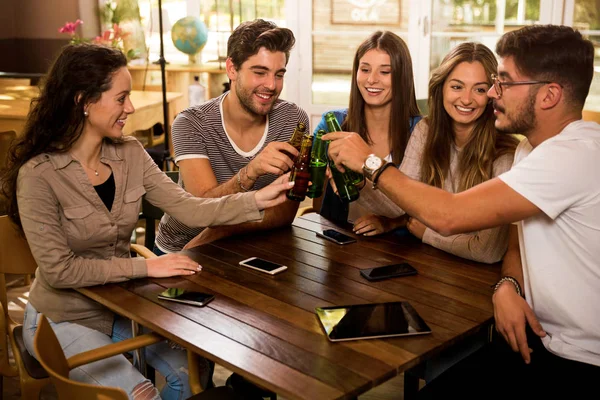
(484, 145)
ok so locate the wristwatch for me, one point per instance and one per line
(371, 166)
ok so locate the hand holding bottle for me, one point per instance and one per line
(347, 149)
(274, 194)
(272, 160)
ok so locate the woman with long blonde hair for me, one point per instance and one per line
(457, 146)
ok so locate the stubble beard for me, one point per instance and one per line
(523, 122)
(245, 98)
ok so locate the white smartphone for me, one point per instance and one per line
(268, 267)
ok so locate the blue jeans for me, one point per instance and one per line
(116, 371)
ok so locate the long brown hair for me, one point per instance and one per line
(404, 102)
(485, 144)
(79, 76)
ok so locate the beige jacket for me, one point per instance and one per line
(77, 242)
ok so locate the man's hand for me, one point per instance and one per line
(511, 312)
(272, 160)
(347, 149)
(371, 224)
(416, 227)
(171, 265)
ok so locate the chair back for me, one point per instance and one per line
(151, 214)
(6, 139)
(52, 358)
(15, 255)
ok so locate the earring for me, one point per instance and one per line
(85, 114)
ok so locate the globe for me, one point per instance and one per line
(189, 35)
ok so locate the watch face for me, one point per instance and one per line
(373, 162)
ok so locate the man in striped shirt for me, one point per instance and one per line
(236, 142)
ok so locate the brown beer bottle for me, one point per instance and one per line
(296, 139)
(301, 171)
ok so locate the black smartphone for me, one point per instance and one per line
(336, 237)
(388, 271)
(185, 296)
(268, 267)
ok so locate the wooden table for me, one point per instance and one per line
(265, 328)
(15, 102)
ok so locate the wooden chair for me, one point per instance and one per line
(591, 115)
(53, 359)
(16, 258)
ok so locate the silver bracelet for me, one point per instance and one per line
(239, 180)
(511, 280)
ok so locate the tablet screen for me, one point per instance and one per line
(369, 321)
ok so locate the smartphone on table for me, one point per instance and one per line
(259, 264)
(186, 296)
(388, 271)
(336, 237)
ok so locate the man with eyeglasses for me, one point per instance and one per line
(547, 302)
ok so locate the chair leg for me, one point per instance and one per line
(31, 389)
(27, 280)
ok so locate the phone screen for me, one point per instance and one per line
(185, 295)
(338, 236)
(390, 271)
(262, 264)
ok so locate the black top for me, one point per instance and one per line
(106, 191)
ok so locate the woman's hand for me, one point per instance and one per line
(274, 194)
(171, 265)
(416, 227)
(371, 224)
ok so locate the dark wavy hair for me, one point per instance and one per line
(250, 36)
(404, 102)
(78, 76)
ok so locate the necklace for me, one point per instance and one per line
(85, 166)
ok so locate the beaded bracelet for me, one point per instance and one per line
(511, 280)
(239, 180)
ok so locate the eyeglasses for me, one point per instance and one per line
(498, 85)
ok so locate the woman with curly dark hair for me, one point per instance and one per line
(74, 184)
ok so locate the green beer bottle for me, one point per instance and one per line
(301, 171)
(347, 191)
(334, 126)
(318, 166)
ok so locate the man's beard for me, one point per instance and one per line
(245, 98)
(524, 122)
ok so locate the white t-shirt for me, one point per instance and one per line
(560, 248)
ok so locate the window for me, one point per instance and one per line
(339, 26)
(220, 17)
(586, 18)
